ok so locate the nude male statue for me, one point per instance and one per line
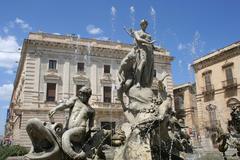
(80, 122)
(126, 74)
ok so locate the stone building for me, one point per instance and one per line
(217, 89)
(186, 108)
(53, 67)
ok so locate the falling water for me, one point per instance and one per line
(113, 14)
(132, 16)
(77, 50)
(153, 15)
(88, 55)
(113, 19)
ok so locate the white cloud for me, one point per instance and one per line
(56, 33)
(8, 52)
(113, 11)
(17, 23)
(9, 71)
(6, 91)
(91, 29)
(103, 38)
(5, 29)
(22, 24)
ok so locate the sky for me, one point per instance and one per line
(187, 29)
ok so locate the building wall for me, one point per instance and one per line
(29, 96)
(219, 96)
(186, 109)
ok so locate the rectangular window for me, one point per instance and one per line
(108, 125)
(80, 67)
(106, 68)
(229, 75)
(51, 91)
(208, 83)
(77, 88)
(107, 94)
(52, 64)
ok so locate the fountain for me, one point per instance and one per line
(232, 137)
(151, 133)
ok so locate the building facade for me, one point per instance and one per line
(186, 108)
(217, 90)
(53, 67)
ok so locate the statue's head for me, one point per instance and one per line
(84, 94)
(144, 24)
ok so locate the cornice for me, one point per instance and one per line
(94, 49)
(81, 79)
(107, 79)
(52, 75)
(227, 54)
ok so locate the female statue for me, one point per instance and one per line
(145, 58)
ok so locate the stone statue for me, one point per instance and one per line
(151, 132)
(126, 74)
(80, 122)
(78, 140)
(149, 135)
(144, 55)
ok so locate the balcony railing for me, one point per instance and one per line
(229, 83)
(208, 89)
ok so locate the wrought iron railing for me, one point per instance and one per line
(229, 83)
(209, 88)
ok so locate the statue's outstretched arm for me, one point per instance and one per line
(62, 106)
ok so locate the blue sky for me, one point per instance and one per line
(187, 28)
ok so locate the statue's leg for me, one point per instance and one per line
(76, 134)
(140, 66)
(120, 93)
(128, 84)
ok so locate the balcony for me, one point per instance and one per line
(229, 83)
(208, 89)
